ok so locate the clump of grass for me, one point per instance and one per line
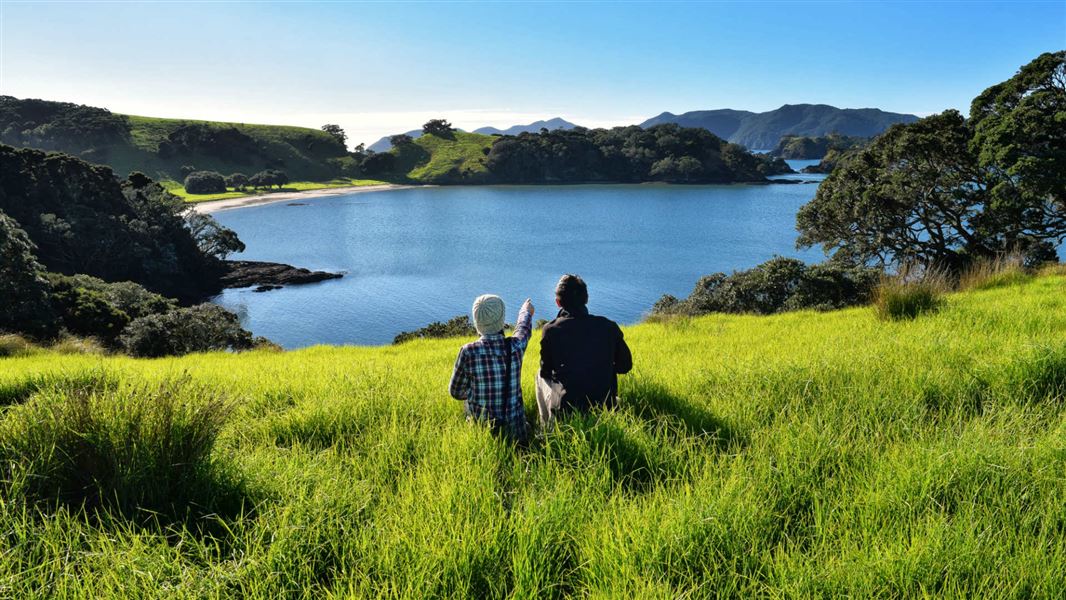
(15, 345)
(1004, 270)
(130, 448)
(77, 345)
(910, 293)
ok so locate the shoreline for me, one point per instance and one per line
(210, 206)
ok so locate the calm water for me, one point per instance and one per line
(421, 255)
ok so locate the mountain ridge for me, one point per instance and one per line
(764, 130)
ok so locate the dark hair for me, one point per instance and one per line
(572, 291)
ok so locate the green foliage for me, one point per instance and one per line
(337, 132)
(199, 328)
(237, 181)
(267, 178)
(797, 455)
(455, 327)
(400, 139)
(378, 164)
(83, 220)
(438, 127)
(23, 289)
(204, 182)
(72, 128)
(212, 238)
(777, 285)
(88, 306)
(804, 147)
(142, 451)
(945, 191)
(624, 154)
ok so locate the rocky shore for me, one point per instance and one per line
(265, 276)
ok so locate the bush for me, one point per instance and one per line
(905, 296)
(186, 170)
(205, 182)
(378, 163)
(268, 178)
(200, 328)
(97, 444)
(88, 306)
(237, 181)
(779, 284)
(454, 327)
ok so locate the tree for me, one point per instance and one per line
(205, 182)
(378, 163)
(1019, 139)
(200, 328)
(23, 289)
(337, 133)
(267, 178)
(439, 128)
(237, 181)
(212, 238)
(185, 170)
(400, 139)
(943, 191)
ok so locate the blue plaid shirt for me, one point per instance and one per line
(479, 377)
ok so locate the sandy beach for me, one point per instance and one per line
(211, 206)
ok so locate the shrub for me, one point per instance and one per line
(777, 285)
(77, 345)
(186, 170)
(200, 328)
(88, 306)
(98, 444)
(237, 181)
(267, 178)
(907, 295)
(454, 327)
(378, 163)
(205, 182)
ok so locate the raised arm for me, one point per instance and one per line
(524, 326)
(459, 387)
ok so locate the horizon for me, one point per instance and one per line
(303, 64)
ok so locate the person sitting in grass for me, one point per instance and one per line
(488, 372)
(581, 356)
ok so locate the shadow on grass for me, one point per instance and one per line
(650, 400)
(87, 381)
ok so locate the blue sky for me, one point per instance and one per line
(380, 68)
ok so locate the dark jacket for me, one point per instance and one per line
(584, 353)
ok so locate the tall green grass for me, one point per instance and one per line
(799, 455)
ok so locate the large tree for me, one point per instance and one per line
(944, 190)
(23, 288)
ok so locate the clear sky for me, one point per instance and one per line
(380, 68)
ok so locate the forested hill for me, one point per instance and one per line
(764, 130)
(160, 147)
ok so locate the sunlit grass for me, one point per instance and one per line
(798, 455)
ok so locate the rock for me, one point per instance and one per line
(269, 276)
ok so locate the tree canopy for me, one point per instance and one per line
(337, 132)
(438, 127)
(946, 190)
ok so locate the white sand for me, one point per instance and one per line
(211, 206)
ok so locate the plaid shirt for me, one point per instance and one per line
(480, 372)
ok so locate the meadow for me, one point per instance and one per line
(796, 455)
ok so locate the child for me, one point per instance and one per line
(488, 372)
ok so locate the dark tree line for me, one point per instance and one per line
(668, 153)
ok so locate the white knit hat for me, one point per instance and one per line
(488, 314)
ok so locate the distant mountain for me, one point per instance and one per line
(764, 130)
(383, 144)
(534, 127)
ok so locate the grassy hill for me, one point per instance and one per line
(799, 455)
(434, 159)
(160, 147)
